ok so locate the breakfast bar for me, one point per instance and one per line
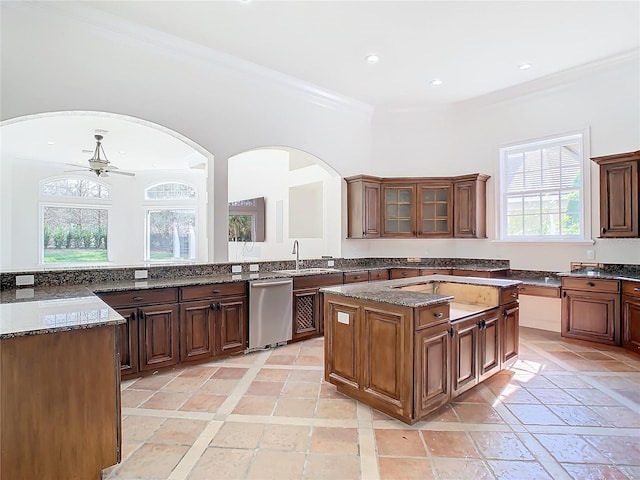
(408, 346)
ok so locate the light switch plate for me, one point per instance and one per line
(22, 280)
(236, 269)
(254, 267)
(140, 274)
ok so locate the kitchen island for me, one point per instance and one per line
(408, 346)
(60, 384)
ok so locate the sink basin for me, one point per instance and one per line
(306, 271)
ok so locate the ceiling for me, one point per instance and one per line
(474, 47)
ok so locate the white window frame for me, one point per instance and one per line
(153, 205)
(64, 201)
(585, 190)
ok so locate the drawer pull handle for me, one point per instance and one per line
(451, 332)
(514, 294)
(137, 299)
(591, 284)
(357, 277)
(438, 315)
(216, 291)
(636, 289)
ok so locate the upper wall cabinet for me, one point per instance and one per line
(619, 200)
(416, 207)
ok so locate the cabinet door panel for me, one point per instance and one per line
(465, 355)
(230, 325)
(399, 210)
(128, 341)
(510, 334)
(158, 336)
(387, 374)
(432, 358)
(631, 323)
(196, 332)
(341, 344)
(591, 316)
(490, 345)
(619, 199)
(435, 208)
(306, 313)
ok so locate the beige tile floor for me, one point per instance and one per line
(565, 410)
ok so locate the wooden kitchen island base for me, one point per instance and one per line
(408, 357)
(60, 405)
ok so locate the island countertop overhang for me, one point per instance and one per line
(391, 292)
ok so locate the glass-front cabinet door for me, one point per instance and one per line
(435, 210)
(399, 210)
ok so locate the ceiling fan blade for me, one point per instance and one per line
(84, 170)
(129, 174)
(77, 165)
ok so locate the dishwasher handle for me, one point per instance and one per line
(270, 284)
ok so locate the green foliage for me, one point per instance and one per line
(47, 233)
(75, 255)
(59, 237)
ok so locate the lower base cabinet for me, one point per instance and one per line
(432, 360)
(158, 336)
(631, 316)
(308, 319)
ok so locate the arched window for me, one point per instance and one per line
(74, 220)
(171, 230)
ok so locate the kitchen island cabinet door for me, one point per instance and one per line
(387, 359)
(128, 341)
(158, 336)
(465, 355)
(489, 349)
(196, 330)
(432, 360)
(230, 326)
(341, 344)
(510, 333)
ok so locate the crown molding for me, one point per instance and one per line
(115, 28)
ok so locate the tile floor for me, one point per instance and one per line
(565, 410)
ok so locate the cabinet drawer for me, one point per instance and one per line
(378, 275)
(140, 297)
(317, 281)
(202, 292)
(432, 315)
(540, 290)
(355, 277)
(589, 284)
(404, 273)
(631, 288)
(435, 271)
(508, 295)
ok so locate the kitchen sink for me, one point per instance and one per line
(306, 271)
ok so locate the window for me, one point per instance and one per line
(542, 190)
(171, 222)
(75, 220)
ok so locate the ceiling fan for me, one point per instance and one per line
(100, 165)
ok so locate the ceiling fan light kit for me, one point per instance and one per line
(99, 164)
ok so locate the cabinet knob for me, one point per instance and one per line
(216, 291)
(438, 315)
(591, 284)
(604, 230)
(564, 294)
(636, 289)
(451, 332)
(137, 299)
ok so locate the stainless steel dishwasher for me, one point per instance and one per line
(270, 321)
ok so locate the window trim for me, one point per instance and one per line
(585, 191)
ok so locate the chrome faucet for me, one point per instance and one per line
(296, 250)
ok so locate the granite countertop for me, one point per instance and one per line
(630, 273)
(388, 291)
(50, 310)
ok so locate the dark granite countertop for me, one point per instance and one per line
(388, 291)
(630, 272)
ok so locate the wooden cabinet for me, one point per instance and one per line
(149, 339)
(631, 315)
(489, 339)
(417, 207)
(396, 273)
(363, 201)
(376, 275)
(356, 277)
(213, 320)
(398, 210)
(591, 309)
(509, 334)
(465, 355)
(432, 363)
(307, 304)
(60, 404)
(470, 206)
(619, 198)
(435, 209)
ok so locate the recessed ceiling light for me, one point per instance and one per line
(122, 152)
(524, 66)
(155, 165)
(372, 58)
(436, 82)
(51, 143)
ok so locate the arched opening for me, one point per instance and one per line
(302, 201)
(59, 145)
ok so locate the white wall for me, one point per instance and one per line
(467, 139)
(270, 173)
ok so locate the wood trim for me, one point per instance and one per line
(549, 291)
